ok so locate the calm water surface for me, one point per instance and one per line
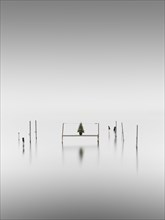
(80, 179)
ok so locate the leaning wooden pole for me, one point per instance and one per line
(136, 136)
(30, 132)
(36, 130)
(122, 131)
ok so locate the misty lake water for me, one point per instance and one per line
(80, 179)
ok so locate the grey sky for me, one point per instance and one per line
(82, 58)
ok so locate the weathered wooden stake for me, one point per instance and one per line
(122, 131)
(36, 130)
(30, 132)
(136, 136)
(62, 131)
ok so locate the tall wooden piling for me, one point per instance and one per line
(36, 130)
(122, 131)
(30, 132)
(136, 136)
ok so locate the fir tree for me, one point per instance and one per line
(80, 129)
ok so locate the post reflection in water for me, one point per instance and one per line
(23, 148)
(122, 151)
(36, 147)
(115, 143)
(80, 151)
(109, 135)
(81, 154)
(137, 161)
(30, 150)
(30, 153)
(62, 154)
(18, 142)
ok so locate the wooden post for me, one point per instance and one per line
(62, 131)
(23, 145)
(98, 134)
(109, 132)
(122, 131)
(36, 130)
(23, 141)
(116, 130)
(136, 136)
(30, 132)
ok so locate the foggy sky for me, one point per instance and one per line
(82, 58)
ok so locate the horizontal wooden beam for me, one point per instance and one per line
(75, 135)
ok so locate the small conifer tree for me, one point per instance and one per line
(80, 129)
